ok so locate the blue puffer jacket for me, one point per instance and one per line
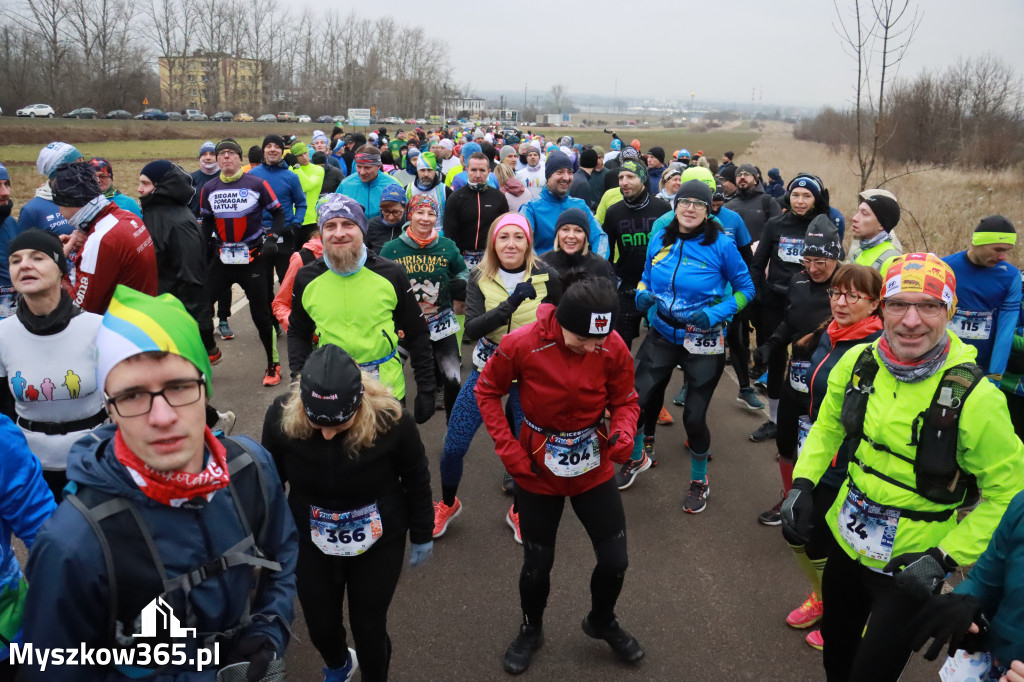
(687, 278)
(366, 193)
(289, 192)
(25, 503)
(73, 609)
(543, 214)
(731, 222)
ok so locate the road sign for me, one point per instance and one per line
(145, 102)
(359, 117)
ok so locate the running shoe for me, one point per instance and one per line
(216, 356)
(346, 672)
(443, 515)
(512, 519)
(762, 382)
(814, 639)
(664, 418)
(697, 498)
(766, 431)
(649, 447)
(773, 516)
(621, 642)
(439, 398)
(225, 331)
(508, 484)
(680, 399)
(807, 614)
(523, 647)
(273, 375)
(626, 474)
(748, 398)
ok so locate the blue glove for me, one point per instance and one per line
(699, 320)
(420, 553)
(652, 313)
(644, 300)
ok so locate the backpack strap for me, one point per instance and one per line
(858, 389)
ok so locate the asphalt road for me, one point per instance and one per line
(706, 595)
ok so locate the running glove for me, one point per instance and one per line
(760, 354)
(947, 618)
(269, 248)
(258, 651)
(523, 291)
(420, 552)
(644, 300)
(797, 509)
(922, 572)
(700, 320)
(423, 407)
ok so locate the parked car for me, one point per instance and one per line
(118, 114)
(305, 119)
(325, 119)
(243, 118)
(267, 118)
(37, 110)
(222, 116)
(152, 115)
(83, 112)
(340, 119)
(195, 115)
(175, 116)
(287, 117)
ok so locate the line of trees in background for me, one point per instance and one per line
(103, 54)
(971, 114)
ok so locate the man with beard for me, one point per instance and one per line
(368, 182)
(362, 303)
(208, 169)
(751, 201)
(554, 200)
(472, 209)
(430, 182)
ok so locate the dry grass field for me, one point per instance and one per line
(940, 207)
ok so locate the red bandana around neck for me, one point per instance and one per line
(174, 488)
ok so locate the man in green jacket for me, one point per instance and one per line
(872, 226)
(890, 517)
(311, 177)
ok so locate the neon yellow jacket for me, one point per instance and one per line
(311, 177)
(987, 448)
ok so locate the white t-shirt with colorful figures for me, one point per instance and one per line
(53, 379)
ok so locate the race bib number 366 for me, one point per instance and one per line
(348, 533)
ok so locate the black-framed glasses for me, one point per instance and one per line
(692, 203)
(851, 296)
(136, 403)
(897, 308)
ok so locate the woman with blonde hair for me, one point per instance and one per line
(359, 481)
(514, 191)
(503, 294)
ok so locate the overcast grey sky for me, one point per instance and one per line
(786, 49)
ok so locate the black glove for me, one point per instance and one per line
(523, 291)
(423, 408)
(760, 354)
(797, 510)
(947, 617)
(269, 249)
(922, 572)
(258, 651)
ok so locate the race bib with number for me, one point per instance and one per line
(482, 353)
(968, 324)
(345, 533)
(704, 341)
(798, 371)
(472, 258)
(234, 253)
(803, 425)
(791, 249)
(965, 667)
(868, 528)
(442, 324)
(567, 457)
(8, 301)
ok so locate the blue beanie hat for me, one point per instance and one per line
(207, 146)
(808, 183)
(393, 192)
(4, 175)
(555, 162)
(469, 149)
(616, 144)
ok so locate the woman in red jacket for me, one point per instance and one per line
(569, 366)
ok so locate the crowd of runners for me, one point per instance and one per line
(570, 281)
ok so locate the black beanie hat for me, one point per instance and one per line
(573, 216)
(822, 239)
(229, 144)
(255, 154)
(588, 158)
(884, 205)
(555, 162)
(589, 307)
(74, 184)
(275, 139)
(331, 386)
(748, 168)
(42, 241)
(658, 153)
(728, 173)
(694, 189)
(156, 170)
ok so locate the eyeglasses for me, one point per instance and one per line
(815, 262)
(897, 308)
(744, 174)
(136, 403)
(691, 203)
(851, 296)
(392, 211)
